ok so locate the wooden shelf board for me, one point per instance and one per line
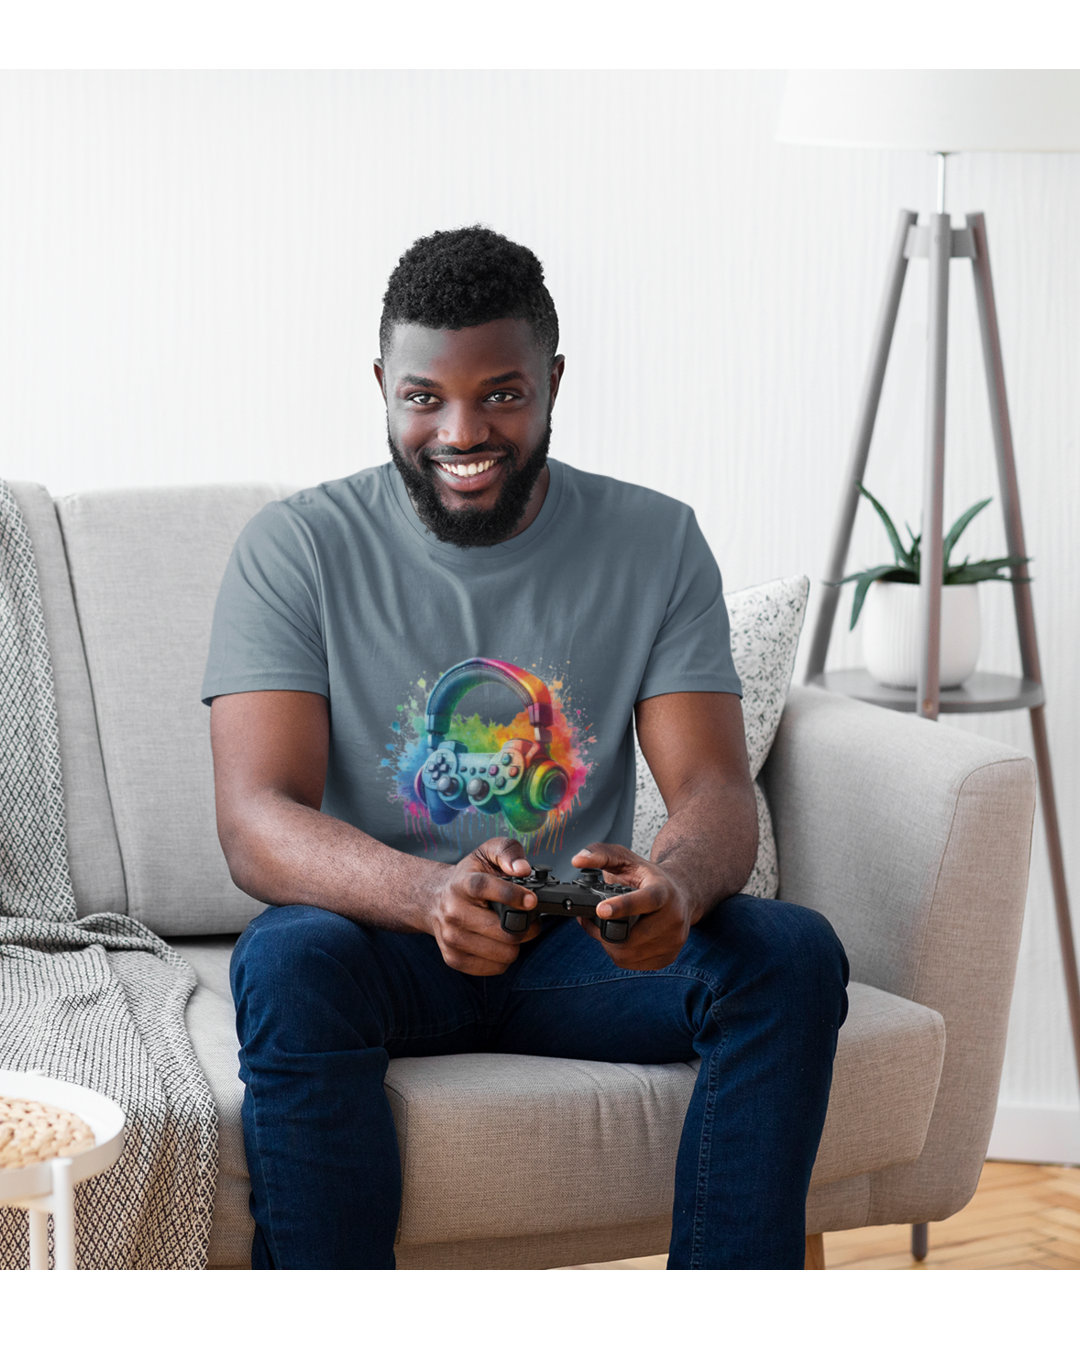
(984, 691)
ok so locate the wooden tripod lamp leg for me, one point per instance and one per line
(1025, 611)
(860, 444)
(928, 696)
(1048, 803)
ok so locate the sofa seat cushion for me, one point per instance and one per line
(500, 1146)
(885, 1082)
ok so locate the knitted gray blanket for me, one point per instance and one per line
(97, 1001)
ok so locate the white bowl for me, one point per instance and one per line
(102, 1115)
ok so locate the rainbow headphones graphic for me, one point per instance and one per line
(520, 779)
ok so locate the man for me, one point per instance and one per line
(422, 681)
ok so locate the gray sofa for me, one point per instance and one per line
(912, 838)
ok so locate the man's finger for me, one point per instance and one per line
(654, 953)
(479, 933)
(646, 899)
(611, 858)
(508, 855)
(484, 887)
(500, 956)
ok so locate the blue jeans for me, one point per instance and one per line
(323, 1004)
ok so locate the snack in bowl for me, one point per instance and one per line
(33, 1132)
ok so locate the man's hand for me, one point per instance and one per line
(658, 936)
(468, 932)
(695, 745)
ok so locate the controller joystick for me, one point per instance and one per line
(575, 899)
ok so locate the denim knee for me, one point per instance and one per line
(286, 946)
(296, 976)
(790, 944)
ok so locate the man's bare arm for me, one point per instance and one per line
(695, 745)
(696, 748)
(270, 758)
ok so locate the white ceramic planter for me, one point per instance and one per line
(890, 633)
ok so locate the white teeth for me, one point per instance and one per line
(468, 470)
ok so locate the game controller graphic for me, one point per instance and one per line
(575, 899)
(520, 779)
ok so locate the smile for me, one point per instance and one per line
(470, 476)
(468, 470)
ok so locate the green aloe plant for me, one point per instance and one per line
(905, 568)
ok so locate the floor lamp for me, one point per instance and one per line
(943, 112)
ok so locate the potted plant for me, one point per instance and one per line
(890, 593)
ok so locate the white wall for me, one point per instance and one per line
(193, 264)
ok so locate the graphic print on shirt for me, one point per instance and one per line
(465, 776)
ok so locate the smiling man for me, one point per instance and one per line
(478, 474)
(424, 680)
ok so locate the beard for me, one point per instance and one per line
(473, 526)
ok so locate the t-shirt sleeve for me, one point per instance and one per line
(692, 649)
(267, 631)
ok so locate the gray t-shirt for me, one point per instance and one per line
(475, 692)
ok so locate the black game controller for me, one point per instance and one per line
(575, 899)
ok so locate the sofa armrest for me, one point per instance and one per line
(914, 840)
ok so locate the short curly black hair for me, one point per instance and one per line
(461, 278)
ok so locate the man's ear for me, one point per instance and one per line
(558, 365)
(380, 375)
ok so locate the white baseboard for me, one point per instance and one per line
(1037, 1134)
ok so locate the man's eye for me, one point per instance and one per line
(424, 400)
(501, 396)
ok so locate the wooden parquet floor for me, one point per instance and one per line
(1022, 1217)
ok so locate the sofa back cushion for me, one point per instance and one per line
(97, 874)
(145, 569)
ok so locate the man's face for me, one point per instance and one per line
(468, 417)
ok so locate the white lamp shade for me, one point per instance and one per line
(933, 110)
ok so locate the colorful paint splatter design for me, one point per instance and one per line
(408, 750)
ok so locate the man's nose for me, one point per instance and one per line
(462, 428)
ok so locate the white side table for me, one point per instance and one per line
(49, 1187)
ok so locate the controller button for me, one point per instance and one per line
(507, 759)
(493, 770)
(500, 782)
(513, 771)
(477, 789)
(446, 784)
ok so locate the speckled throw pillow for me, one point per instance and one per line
(765, 625)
